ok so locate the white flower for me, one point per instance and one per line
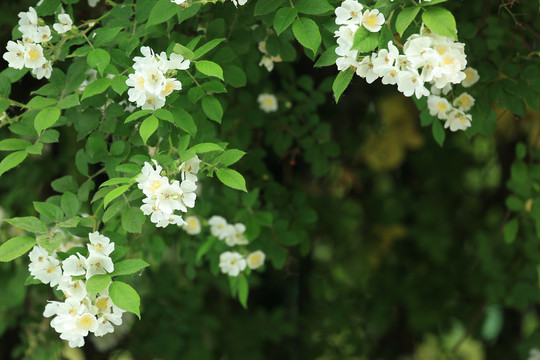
(49, 273)
(239, 2)
(365, 69)
(218, 227)
(153, 184)
(458, 121)
(255, 259)
(33, 56)
(75, 289)
(190, 168)
(350, 12)
(267, 102)
(471, 77)
(44, 71)
(98, 264)
(92, 3)
(373, 20)
(347, 59)
(15, 54)
(168, 197)
(74, 265)
(192, 226)
(409, 83)
(64, 24)
(534, 354)
(29, 18)
(99, 244)
(235, 235)
(267, 62)
(188, 197)
(438, 106)
(231, 263)
(178, 1)
(464, 102)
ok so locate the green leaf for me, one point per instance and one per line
(104, 35)
(205, 147)
(510, 231)
(307, 33)
(98, 59)
(230, 157)
(440, 21)
(209, 68)
(132, 220)
(119, 85)
(341, 82)
(184, 121)
(14, 144)
(129, 266)
(114, 194)
(46, 118)
(137, 115)
(365, 40)
(148, 127)
(438, 132)
(234, 76)
(162, 11)
(40, 102)
(98, 283)
(96, 87)
(212, 108)
(35, 149)
(12, 160)
(65, 183)
(115, 181)
(284, 18)
(70, 203)
(207, 47)
(232, 179)
(13, 248)
(125, 297)
(313, 7)
(205, 247)
(69, 101)
(50, 243)
(49, 210)
(28, 223)
(243, 290)
(327, 58)
(184, 51)
(405, 18)
(164, 114)
(263, 7)
(70, 223)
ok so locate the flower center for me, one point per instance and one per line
(33, 54)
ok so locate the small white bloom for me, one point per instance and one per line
(458, 121)
(464, 102)
(98, 264)
(44, 71)
(438, 106)
(192, 226)
(100, 244)
(29, 18)
(74, 265)
(15, 54)
(190, 168)
(471, 77)
(231, 263)
(373, 20)
(235, 235)
(218, 227)
(349, 12)
(33, 56)
(64, 24)
(267, 102)
(255, 259)
(49, 273)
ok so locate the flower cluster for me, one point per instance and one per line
(80, 313)
(153, 79)
(454, 114)
(350, 15)
(267, 60)
(267, 102)
(163, 196)
(28, 51)
(230, 262)
(233, 263)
